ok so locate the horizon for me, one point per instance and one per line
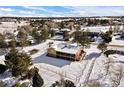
(61, 16)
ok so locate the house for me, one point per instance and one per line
(62, 34)
(66, 51)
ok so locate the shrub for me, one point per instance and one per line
(63, 83)
(68, 83)
(37, 80)
(55, 84)
(107, 37)
(18, 62)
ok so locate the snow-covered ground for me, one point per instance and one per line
(49, 73)
(92, 69)
(41, 57)
(10, 27)
(99, 28)
(117, 58)
(96, 28)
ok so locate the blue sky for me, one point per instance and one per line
(61, 11)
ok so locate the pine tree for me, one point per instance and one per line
(32, 72)
(18, 62)
(3, 44)
(66, 35)
(23, 43)
(102, 46)
(84, 40)
(37, 80)
(44, 34)
(52, 32)
(61, 26)
(22, 36)
(36, 35)
(77, 36)
(107, 37)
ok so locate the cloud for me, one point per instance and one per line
(35, 8)
(26, 12)
(6, 9)
(76, 11)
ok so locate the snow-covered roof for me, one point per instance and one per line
(67, 48)
(65, 29)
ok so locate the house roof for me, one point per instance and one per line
(67, 48)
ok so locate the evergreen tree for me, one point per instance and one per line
(84, 40)
(66, 35)
(36, 35)
(37, 80)
(32, 72)
(23, 43)
(78, 27)
(52, 32)
(18, 62)
(3, 44)
(44, 34)
(12, 43)
(77, 36)
(61, 26)
(102, 46)
(22, 36)
(107, 37)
